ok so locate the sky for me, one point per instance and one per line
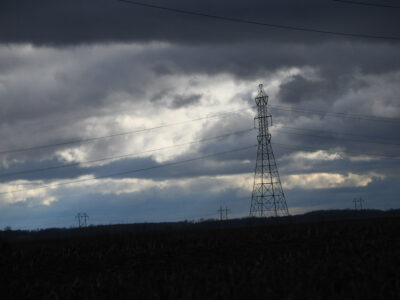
(138, 114)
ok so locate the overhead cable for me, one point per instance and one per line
(336, 114)
(252, 22)
(302, 147)
(343, 139)
(122, 156)
(87, 140)
(130, 171)
(368, 3)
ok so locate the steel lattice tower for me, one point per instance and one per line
(267, 198)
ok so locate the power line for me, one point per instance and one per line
(347, 115)
(352, 169)
(209, 116)
(245, 21)
(301, 147)
(191, 143)
(343, 139)
(342, 169)
(368, 3)
(132, 171)
(100, 115)
(338, 133)
(337, 114)
(81, 141)
(188, 143)
(124, 155)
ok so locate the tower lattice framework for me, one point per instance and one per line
(267, 198)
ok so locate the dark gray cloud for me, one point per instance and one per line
(72, 22)
(185, 100)
(300, 90)
(85, 85)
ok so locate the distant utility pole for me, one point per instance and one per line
(223, 213)
(82, 219)
(267, 198)
(358, 203)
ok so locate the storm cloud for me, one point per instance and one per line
(80, 22)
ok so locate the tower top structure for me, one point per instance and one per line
(262, 97)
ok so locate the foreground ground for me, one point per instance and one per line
(352, 259)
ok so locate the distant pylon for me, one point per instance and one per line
(82, 219)
(267, 198)
(358, 203)
(223, 213)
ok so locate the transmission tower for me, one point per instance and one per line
(223, 213)
(358, 203)
(82, 219)
(267, 198)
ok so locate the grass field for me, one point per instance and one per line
(350, 259)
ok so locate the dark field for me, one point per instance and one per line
(350, 259)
